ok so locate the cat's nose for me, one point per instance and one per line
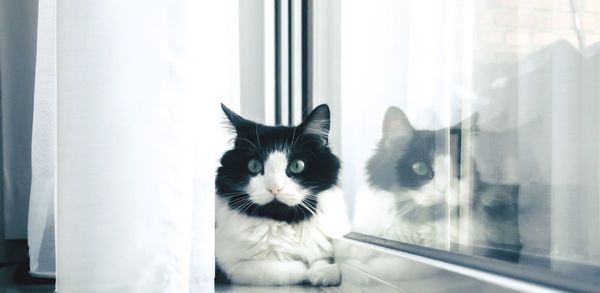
(274, 190)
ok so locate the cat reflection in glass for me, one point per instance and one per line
(418, 191)
(277, 205)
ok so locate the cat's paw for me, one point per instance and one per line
(324, 274)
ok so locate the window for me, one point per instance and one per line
(469, 130)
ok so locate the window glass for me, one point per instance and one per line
(470, 126)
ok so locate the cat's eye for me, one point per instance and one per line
(419, 168)
(297, 166)
(255, 166)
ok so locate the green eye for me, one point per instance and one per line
(297, 166)
(255, 166)
(420, 168)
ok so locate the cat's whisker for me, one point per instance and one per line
(406, 208)
(257, 138)
(315, 155)
(247, 207)
(302, 143)
(232, 192)
(245, 148)
(295, 209)
(229, 193)
(293, 137)
(249, 141)
(234, 197)
(238, 201)
(302, 211)
(294, 142)
(301, 203)
(253, 210)
(243, 207)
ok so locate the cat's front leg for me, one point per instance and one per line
(323, 273)
(267, 272)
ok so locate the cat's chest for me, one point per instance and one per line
(243, 237)
(391, 215)
(265, 239)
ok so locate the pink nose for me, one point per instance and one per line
(274, 190)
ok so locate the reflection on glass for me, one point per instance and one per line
(423, 186)
(520, 180)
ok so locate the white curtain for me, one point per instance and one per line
(531, 70)
(127, 135)
(40, 228)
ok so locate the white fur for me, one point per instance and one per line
(440, 188)
(274, 177)
(379, 212)
(260, 251)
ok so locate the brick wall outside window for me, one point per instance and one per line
(508, 29)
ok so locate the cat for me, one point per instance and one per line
(278, 206)
(416, 193)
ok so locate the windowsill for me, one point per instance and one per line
(374, 268)
(275, 289)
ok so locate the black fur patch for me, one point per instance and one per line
(307, 142)
(392, 163)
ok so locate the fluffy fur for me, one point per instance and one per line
(274, 225)
(419, 192)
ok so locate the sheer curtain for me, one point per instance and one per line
(40, 229)
(126, 138)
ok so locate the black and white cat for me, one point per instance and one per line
(277, 205)
(418, 191)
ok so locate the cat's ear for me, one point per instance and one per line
(236, 120)
(318, 123)
(396, 125)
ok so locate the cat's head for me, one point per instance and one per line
(421, 164)
(277, 172)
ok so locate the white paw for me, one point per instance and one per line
(324, 274)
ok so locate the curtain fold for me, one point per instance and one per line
(40, 228)
(127, 135)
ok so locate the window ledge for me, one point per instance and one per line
(375, 268)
